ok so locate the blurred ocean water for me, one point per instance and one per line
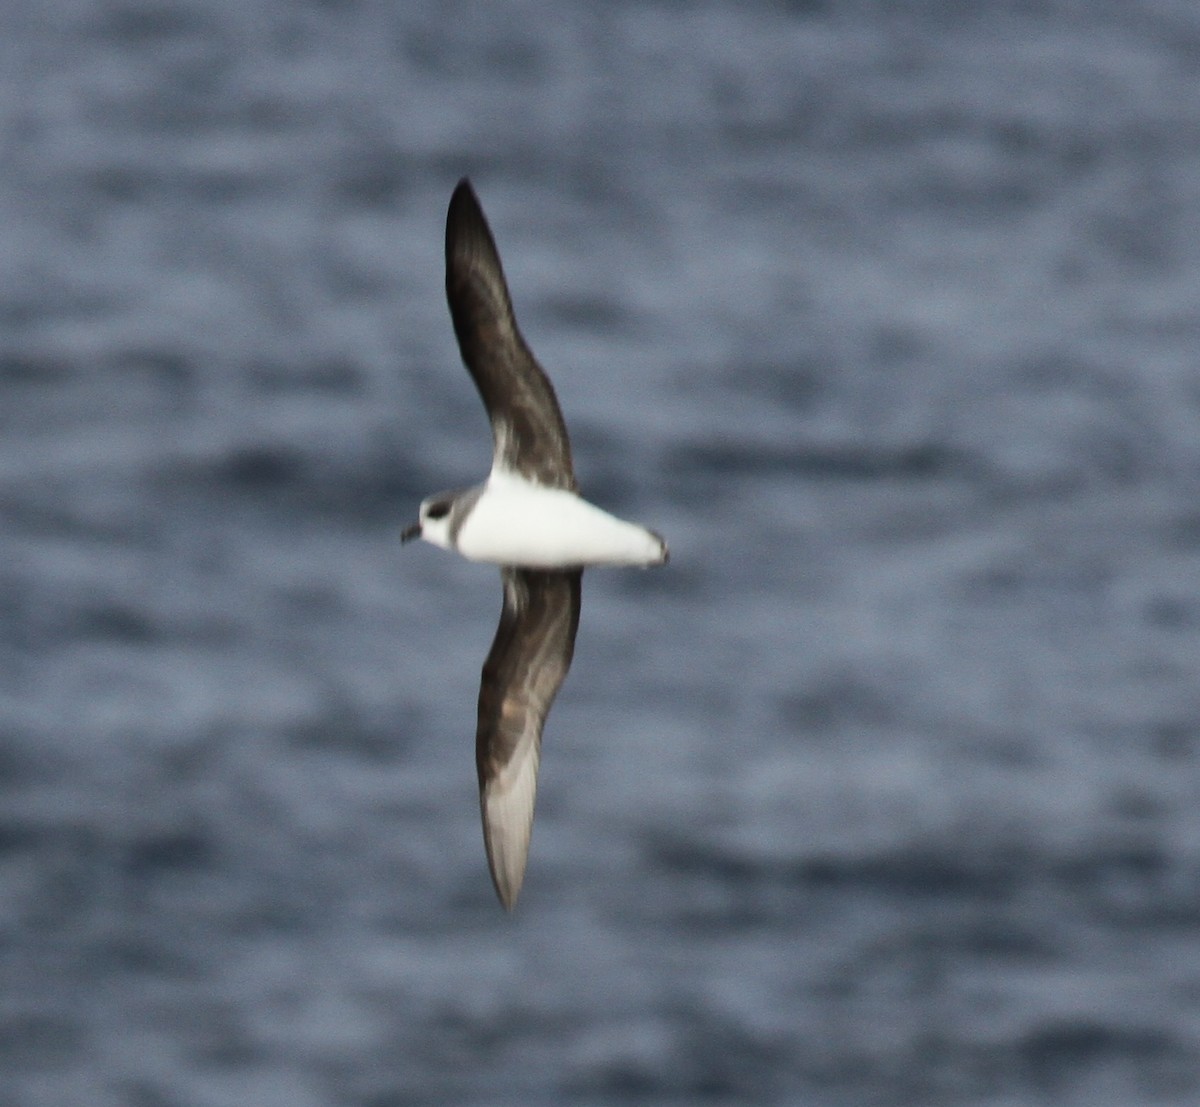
(884, 792)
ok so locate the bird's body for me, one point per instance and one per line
(511, 521)
(529, 518)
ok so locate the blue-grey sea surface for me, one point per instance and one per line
(884, 792)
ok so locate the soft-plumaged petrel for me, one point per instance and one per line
(529, 519)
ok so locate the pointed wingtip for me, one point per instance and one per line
(474, 275)
(465, 215)
(463, 193)
(506, 801)
(507, 878)
(506, 896)
(507, 849)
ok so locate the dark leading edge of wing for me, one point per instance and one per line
(527, 427)
(527, 664)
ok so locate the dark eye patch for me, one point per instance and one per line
(438, 510)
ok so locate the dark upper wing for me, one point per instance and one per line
(527, 664)
(528, 431)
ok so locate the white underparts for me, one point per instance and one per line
(518, 523)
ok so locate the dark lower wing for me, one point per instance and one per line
(528, 662)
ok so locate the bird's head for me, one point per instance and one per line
(433, 523)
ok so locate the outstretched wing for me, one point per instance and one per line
(528, 431)
(527, 664)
